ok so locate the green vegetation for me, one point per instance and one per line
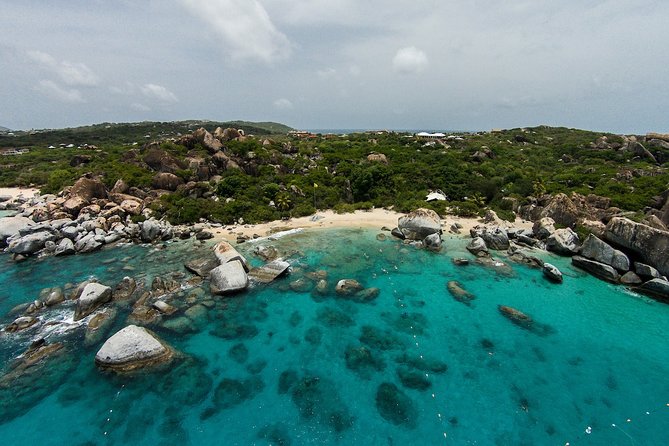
(292, 177)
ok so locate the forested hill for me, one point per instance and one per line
(123, 133)
(222, 176)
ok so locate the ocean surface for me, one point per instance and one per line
(282, 364)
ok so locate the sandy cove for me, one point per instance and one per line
(18, 192)
(374, 219)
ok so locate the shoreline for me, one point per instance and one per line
(18, 192)
(373, 219)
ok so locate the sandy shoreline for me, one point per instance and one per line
(18, 192)
(374, 219)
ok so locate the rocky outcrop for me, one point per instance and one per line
(597, 269)
(166, 181)
(649, 244)
(494, 237)
(419, 224)
(595, 249)
(92, 297)
(31, 243)
(552, 273)
(131, 348)
(543, 228)
(228, 278)
(65, 247)
(563, 242)
(562, 210)
(377, 158)
(207, 140)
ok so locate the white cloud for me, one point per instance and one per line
(327, 73)
(50, 88)
(245, 27)
(158, 92)
(140, 107)
(71, 73)
(410, 60)
(283, 104)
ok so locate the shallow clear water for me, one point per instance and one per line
(414, 365)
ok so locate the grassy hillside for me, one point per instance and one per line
(127, 133)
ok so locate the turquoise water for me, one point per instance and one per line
(282, 365)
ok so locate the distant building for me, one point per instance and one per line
(425, 135)
(301, 134)
(13, 151)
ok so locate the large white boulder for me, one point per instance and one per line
(225, 253)
(130, 348)
(228, 278)
(92, 297)
(420, 223)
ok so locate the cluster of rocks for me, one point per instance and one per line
(627, 252)
(85, 218)
(421, 227)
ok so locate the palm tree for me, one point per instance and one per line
(283, 202)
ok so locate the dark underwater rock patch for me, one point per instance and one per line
(362, 361)
(406, 322)
(333, 317)
(232, 330)
(275, 434)
(424, 364)
(313, 336)
(287, 380)
(239, 353)
(381, 339)
(232, 392)
(395, 406)
(413, 379)
(187, 384)
(317, 400)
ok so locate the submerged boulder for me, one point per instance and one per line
(228, 278)
(515, 316)
(459, 293)
(395, 406)
(131, 348)
(419, 224)
(348, 287)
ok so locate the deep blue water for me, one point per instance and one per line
(414, 366)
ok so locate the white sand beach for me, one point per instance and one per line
(373, 219)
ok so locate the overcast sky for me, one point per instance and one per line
(420, 64)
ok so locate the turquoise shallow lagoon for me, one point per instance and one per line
(284, 365)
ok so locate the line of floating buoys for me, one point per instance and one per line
(589, 430)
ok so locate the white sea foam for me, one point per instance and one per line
(277, 236)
